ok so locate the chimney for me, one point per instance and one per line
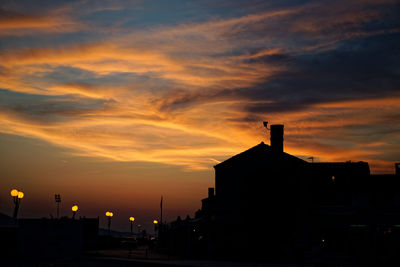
(277, 137)
(397, 167)
(210, 192)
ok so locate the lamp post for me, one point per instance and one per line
(109, 216)
(17, 196)
(131, 219)
(155, 222)
(74, 210)
(57, 198)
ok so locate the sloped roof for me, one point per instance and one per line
(260, 151)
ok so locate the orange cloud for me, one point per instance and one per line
(12, 23)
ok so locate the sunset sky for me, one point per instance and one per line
(114, 103)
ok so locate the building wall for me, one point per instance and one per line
(258, 201)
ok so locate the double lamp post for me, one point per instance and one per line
(17, 197)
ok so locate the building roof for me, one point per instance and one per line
(340, 168)
(260, 152)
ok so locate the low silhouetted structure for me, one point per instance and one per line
(47, 239)
(274, 206)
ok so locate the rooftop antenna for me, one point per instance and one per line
(265, 123)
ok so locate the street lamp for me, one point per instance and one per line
(74, 210)
(17, 196)
(131, 219)
(109, 216)
(155, 222)
(57, 198)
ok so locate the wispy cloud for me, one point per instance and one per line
(14, 23)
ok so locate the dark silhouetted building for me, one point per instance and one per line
(272, 205)
(49, 239)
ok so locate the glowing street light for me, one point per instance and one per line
(74, 210)
(14, 192)
(17, 196)
(131, 219)
(155, 222)
(109, 215)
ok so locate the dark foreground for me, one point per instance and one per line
(142, 257)
(118, 262)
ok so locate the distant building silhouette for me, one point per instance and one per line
(273, 205)
(47, 239)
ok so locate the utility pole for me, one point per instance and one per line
(57, 197)
(161, 206)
